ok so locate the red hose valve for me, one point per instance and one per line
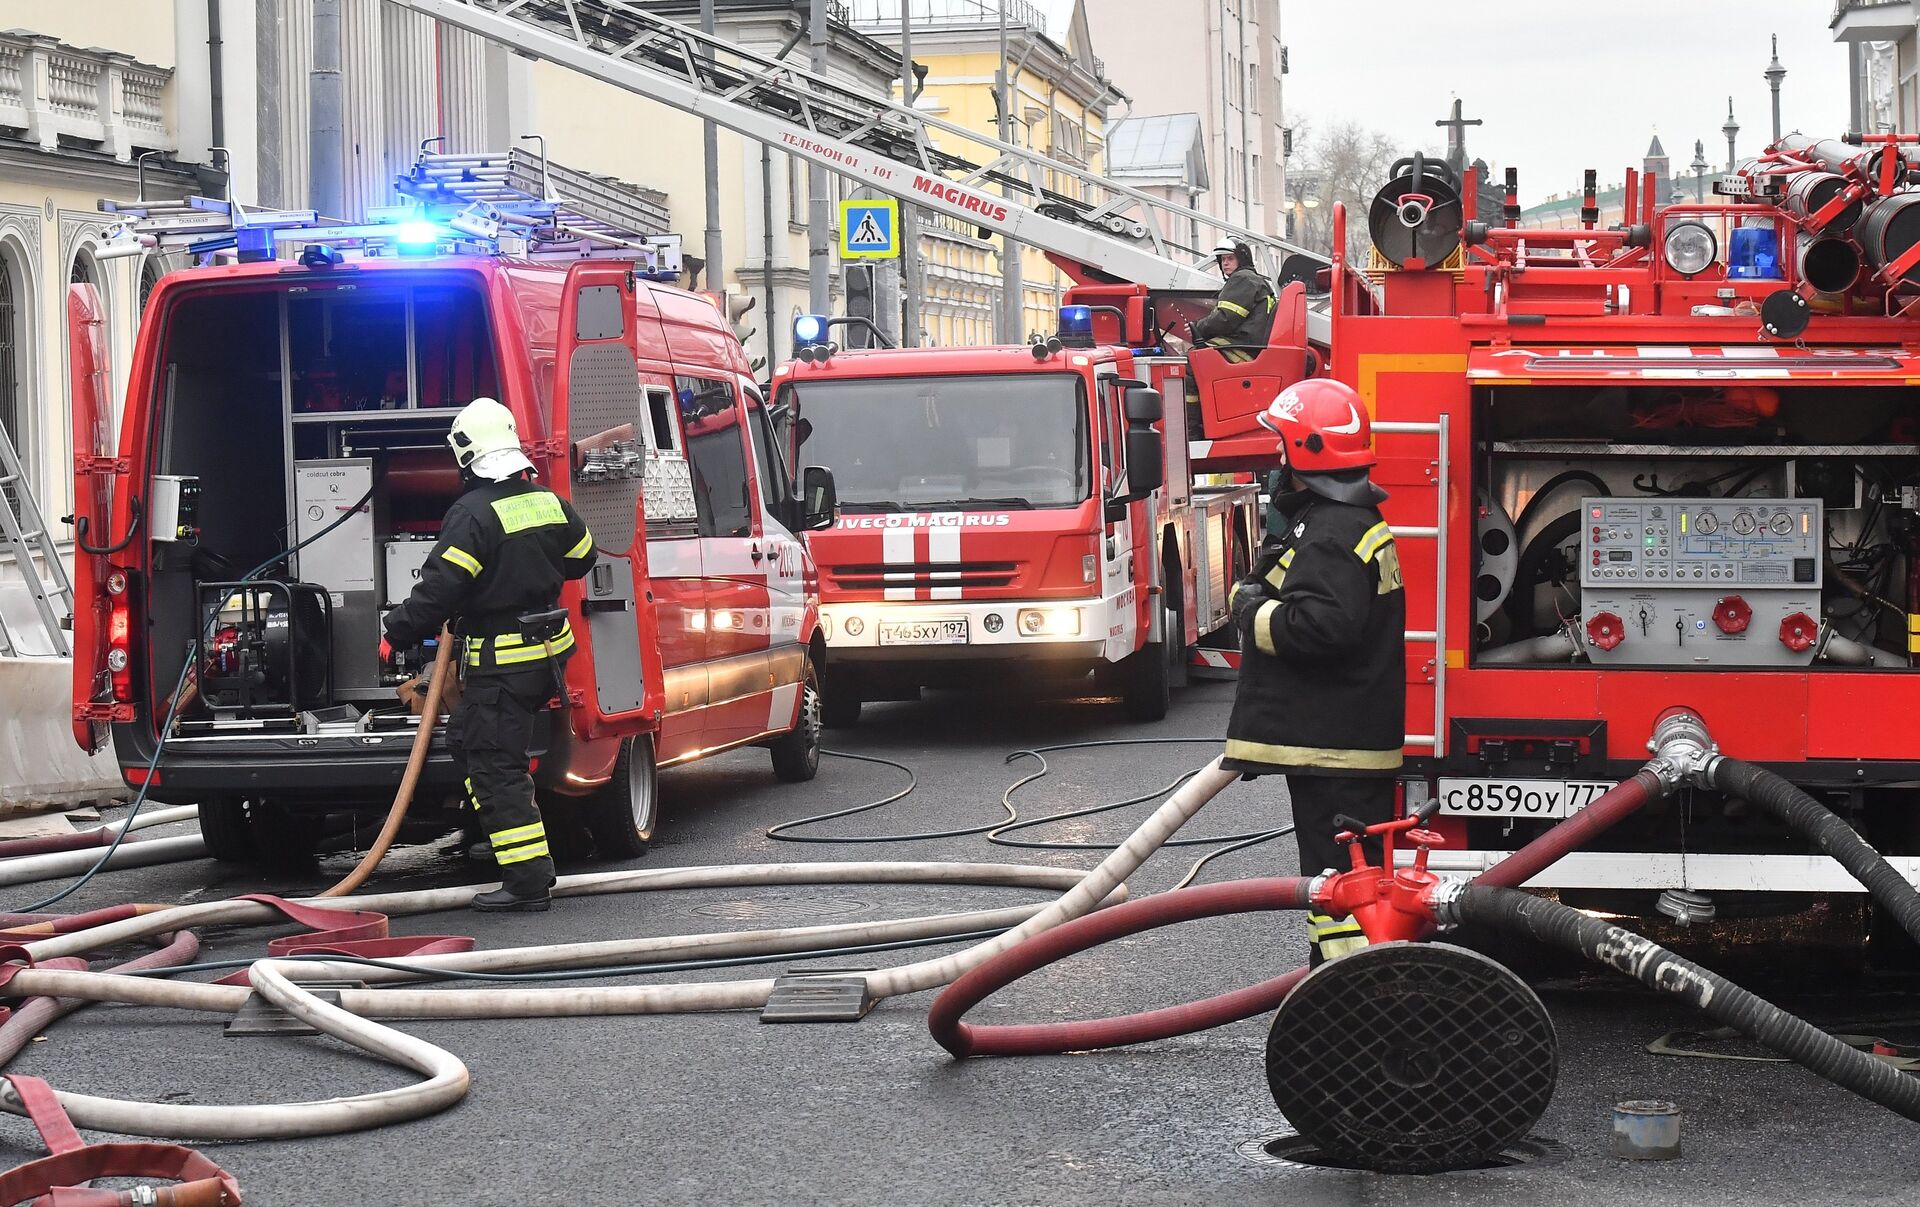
(1606, 630)
(1732, 614)
(1798, 632)
(1389, 904)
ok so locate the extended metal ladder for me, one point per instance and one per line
(25, 531)
(1437, 533)
(1057, 206)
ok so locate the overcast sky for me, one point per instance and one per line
(1572, 86)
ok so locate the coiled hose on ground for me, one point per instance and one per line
(1657, 968)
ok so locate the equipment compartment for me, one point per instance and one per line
(1772, 525)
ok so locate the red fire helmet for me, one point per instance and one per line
(1323, 427)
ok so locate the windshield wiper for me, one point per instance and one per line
(1011, 501)
(869, 505)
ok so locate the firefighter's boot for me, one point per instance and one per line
(516, 897)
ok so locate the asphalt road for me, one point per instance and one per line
(723, 1109)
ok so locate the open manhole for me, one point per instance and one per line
(788, 908)
(1292, 1151)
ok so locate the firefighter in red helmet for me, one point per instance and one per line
(1322, 619)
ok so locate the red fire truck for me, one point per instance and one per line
(270, 398)
(1673, 462)
(1018, 514)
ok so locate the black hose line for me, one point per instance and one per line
(996, 831)
(1813, 821)
(1657, 968)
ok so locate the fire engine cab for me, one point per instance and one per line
(1671, 462)
(301, 402)
(1008, 515)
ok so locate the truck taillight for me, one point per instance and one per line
(117, 582)
(119, 656)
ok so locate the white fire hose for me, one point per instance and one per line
(446, 1078)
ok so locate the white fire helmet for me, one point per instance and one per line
(486, 441)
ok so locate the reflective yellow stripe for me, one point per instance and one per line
(1233, 307)
(1913, 622)
(1263, 627)
(1312, 756)
(1323, 927)
(461, 558)
(471, 798)
(518, 834)
(535, 510)
(511, 648)
(1277, 577)
(534, 653)
(519, 854)
(1375, 539)
(580, 550)
(1333, 949)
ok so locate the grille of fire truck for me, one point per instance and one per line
(924, 574)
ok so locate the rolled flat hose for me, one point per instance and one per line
(1657, 968)
(416, 760)
(1039, 1039)
(1815, 822)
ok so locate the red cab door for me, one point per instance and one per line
(594, 456)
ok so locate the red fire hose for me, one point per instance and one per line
(1164, 909)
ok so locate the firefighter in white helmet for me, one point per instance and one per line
(506, 547)
(1242, 316)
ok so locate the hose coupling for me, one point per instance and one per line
(1684, 752)
(1444, 900)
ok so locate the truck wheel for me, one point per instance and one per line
(622, 813)
(839, 702)
(796, 753)
(1147, 680)
(224, 828)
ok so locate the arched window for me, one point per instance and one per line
(150, 273)
(12, 358)
(9, 351)
(82, 273)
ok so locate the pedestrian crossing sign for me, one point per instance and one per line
(869, 230)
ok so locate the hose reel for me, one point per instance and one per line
(1412, 1058)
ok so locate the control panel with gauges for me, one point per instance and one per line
(1717, 582)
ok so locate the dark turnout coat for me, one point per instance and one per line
(1322, 620)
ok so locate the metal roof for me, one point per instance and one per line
(1165, 144)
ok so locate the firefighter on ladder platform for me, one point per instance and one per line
(1242, 316)
(1322, 622)
(505, 549)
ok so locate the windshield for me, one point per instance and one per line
(925, 443)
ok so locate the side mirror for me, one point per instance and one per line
(1146, 461)
(1144, 406)
(820, 501)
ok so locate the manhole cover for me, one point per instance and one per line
(1412, 1058)
(759, 909)
(1296, 1153)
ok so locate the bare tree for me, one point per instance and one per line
(1346, 163)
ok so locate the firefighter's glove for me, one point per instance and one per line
(386, 652)
(1248, 595)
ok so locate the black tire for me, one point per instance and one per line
(839, 702)
(796, 754)
(1146, 680)
(225, 829)
(624, 812)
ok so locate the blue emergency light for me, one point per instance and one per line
(1076, 326)
(809, 331)
(1754, 254)
(417, 238)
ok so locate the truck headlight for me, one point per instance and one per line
(1690, 247)
(1050, 622)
